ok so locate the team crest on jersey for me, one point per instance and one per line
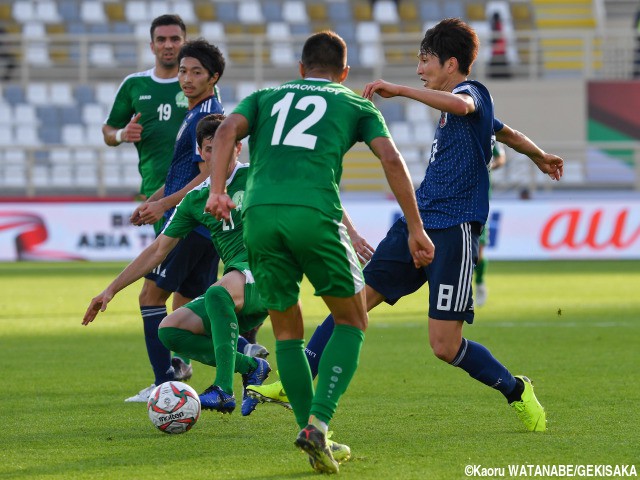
(237, 199)
(181, 100)
(443, 119)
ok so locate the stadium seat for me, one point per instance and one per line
(362, 11)
(23, 11)
(430, 11)
(155, 8)
(25, 114)
(408, 11)
(227, 12)
(48, 116)
(294, 11)
(37, 93)
(453, 9)
(392, 110)
(62, 176)
(26, 135)
(34, 30)
(14, 174)
(367, 32)
(249, 12)
(185, 9)
(138, 11)
(86, 175)
(84, 94)
(272, 10)
(6, 114)
(92, 11)
(212, 31)
(93, 114)
(47, 11)
(339, 11)
(402, 133)
(385, 11)
(14, 94)
(6, 136)
(101, 54)
(69, 10)
(60, 93)
(244, 89)
(73, 134)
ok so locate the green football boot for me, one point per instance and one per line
(529, 409)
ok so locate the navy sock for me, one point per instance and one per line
(317, 342)
(478, 362)
(159, 355)
(242, 342)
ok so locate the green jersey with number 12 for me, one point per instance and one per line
(299, 133)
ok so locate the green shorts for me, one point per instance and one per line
(286, 241)
(484, 236)
(253, 312)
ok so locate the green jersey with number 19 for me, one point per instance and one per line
(225, 235)
(162, 106)
(299, 133)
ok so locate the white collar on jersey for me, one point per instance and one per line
(313, 79)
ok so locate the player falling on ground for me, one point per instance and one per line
(299, 133)
(148, 110)
(206, 329)
(454, 203)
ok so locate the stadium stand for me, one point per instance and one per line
(72, 55)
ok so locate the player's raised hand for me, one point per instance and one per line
(421, 248)
(552, 165)
(382, 88)
(219, 205)
(133, 131)
(98, 304)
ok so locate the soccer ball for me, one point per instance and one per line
(173, 407)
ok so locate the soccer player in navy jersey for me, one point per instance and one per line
(454, 204)
(192, 266)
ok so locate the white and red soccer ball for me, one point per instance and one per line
(174, 407)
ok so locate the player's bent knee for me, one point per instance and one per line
(444, 351)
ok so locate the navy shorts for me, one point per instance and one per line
(189, 269)
(392, 274)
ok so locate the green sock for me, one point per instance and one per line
(190, 345)
(295, 375)
(182, 357)
(338, 364)
(481, 268)
(224, 330)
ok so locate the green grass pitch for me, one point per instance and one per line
(573, 327)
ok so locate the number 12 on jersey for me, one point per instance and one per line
(297, 136)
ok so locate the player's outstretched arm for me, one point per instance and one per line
(360, 244)
(233, 129)
(148, 259)
(548, 163)
(420, 245)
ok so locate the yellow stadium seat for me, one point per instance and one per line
(205, 11)
(362, 11)
(317, 12)
(408, 11)
(475, 12)
(114, 11)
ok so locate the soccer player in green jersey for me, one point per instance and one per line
(148, 110)
(206, 329)
(149, 107)
(299, 133)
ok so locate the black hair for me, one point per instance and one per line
(209, 55)
(452, 38)
(207, 127)
(325, 50)
(164, 20)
